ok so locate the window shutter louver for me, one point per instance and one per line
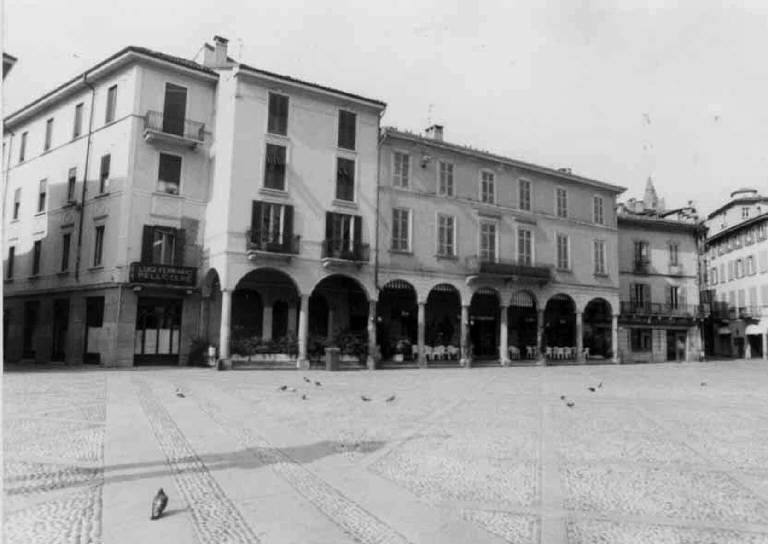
(358, 232)
(288, 226)
(180, 242)
(146, 244)
(255, 220)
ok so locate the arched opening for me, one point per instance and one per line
(397, 323)
(443, 323)
(211, 309)
(338, 314)
(560, 328)
(522, 322)
(264, 314)
(597, 329)
(484, 324)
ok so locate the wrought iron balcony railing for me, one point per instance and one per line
(660, 309)
(641, 266)
(257, 240)
(344, 250)
(509, 267)
(187, 129)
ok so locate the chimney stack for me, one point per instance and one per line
(435, 132)
(220, 50)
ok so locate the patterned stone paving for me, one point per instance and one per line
(651, 457)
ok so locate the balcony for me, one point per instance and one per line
(657, 309)
(264, 244)
(481, 267)
(641, 266)
(341, 253)
(159, 128)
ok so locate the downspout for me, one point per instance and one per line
(7, 169)
(85, 181)
(378, 198)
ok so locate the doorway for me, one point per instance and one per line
(31, 312)
(676, 345)
(158, 331)
(60, 326)
(175, 109)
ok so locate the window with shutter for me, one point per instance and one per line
(104, 172)
(274, 172)
(347, 129)
(345, 179)
(169, 174)
(278, 114)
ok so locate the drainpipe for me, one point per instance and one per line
(85, 181)
(378, 218)
(7, 169)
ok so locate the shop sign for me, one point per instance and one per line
(163, 274)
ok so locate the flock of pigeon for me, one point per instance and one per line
(391, 398)
(571, 404)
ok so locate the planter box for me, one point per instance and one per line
(350, 359)
(264, 358)
(398, 358)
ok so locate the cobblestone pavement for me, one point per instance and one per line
(672, 453)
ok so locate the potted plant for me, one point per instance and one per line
(402, 349)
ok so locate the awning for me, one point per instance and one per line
(757, 328)
(723, 330)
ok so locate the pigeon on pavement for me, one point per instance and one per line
(283, 387)
(390, 399)
(570, 404)
(562, 397)
(318, 384)
(703, 384)
(306, 379)
(303, 397)
(599, 385)
(592, 389)
(159, 503)
(292, 389)
(364, 398)
(179, 393)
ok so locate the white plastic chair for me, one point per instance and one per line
(549, 353)
(438, 353)
(453, 352)
(559, 352)
(529, 353)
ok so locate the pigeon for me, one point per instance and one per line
(364, 398)
(303, 397)
(562, 397)
(703, 384)
(318, 384)
(179, 393)
(390, 399)
(306, 379)
(592, 389)
(570, 404)
(600, 385)
(159, 503)
(292, 389)
(282, 388)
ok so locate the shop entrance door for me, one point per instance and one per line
(675, 346)
(158, 331)
(60, 325)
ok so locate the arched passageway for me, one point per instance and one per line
(597, 329)
(443, 323)
(523, 323)
(338, 316)
(484, 323)
(397, 325)
(560, 328)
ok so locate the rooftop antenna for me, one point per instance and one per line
(240, 49)
(429, 114)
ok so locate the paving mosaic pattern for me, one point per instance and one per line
(608, 532)
(514, 528)
(53, 441)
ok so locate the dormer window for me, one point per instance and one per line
(745, 212)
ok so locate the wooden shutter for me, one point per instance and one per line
(668, 294)
(358, 229)
(180, 243)
(288, 227)
(146, 244)
(255, 219)
(329, 225)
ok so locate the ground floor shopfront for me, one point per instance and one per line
(739, 338)
(659, 342)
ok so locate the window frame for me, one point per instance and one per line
(395, 176)
(482, 186)
(266, 177)
(520, 246)
(11, 261)
(66, 244)
(353, 175)
(567, 246)
(339, 131)
(164, 234)
(563, 215)
(104, 175)
(520, 183)
(37, 256)
(491, 223)
(42, 196)
(441, 186)
(110, 109)
(674, 253)
(48, 141)
(160, 156)
(16, 212)
(408, 235)
(77, 122)
(446, 254)
(275, 130)
(98, 245)
(71, 184)
(23, 146)
(598, 218)
(600, 268)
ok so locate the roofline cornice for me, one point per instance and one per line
(484, 155)
(123, 57)
(658, 224)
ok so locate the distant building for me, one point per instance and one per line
(503, 259)
(658, 263)
(735, 259)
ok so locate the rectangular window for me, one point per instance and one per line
(42, 193)
(272, 227)
(446, 232)
(402, 170)
(599, 250)
(71, 184)
(597, 210)
(16, 202)
(750, 265)
(730, 270)
(722, 273)
(77, 124)
(174, 109)
(739, 268)
(104, 173)
(563, 258)
(163, 246)
(274, 170)
(639, 294)
(742, 298)
(674, 254)
(23, 146)
(642, 258)
(524, 247)
(713, 275)
(278, 114)
(345, 179)
(640, 339)
(487, 187)
(66, 241)
(347, 129)
(488, 241)
(562, 203)
(342, 233)
(48, 134)
(169, 174)
(401, 229)
(762, 259)
(37, 251)
(745, 213)
(673, 297)
(752, 296)
(524, 190)
(764, 294)
(9, 265)
(445, 183)
(98, 245)
(111, 104)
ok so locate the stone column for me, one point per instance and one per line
(764, 339)
(302, 362)
(329, 332)
(540, 359)
(266, 322)
(747, 348)
(420, 335)
(579, 337)
(371, 361)
(503, 336)
(615, 339)
(466, 357)
(226, 314)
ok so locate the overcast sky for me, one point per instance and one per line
(618, 91)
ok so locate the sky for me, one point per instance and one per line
(618, 91)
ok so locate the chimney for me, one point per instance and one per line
(435, 132)
(564, 170)
(220, 50)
